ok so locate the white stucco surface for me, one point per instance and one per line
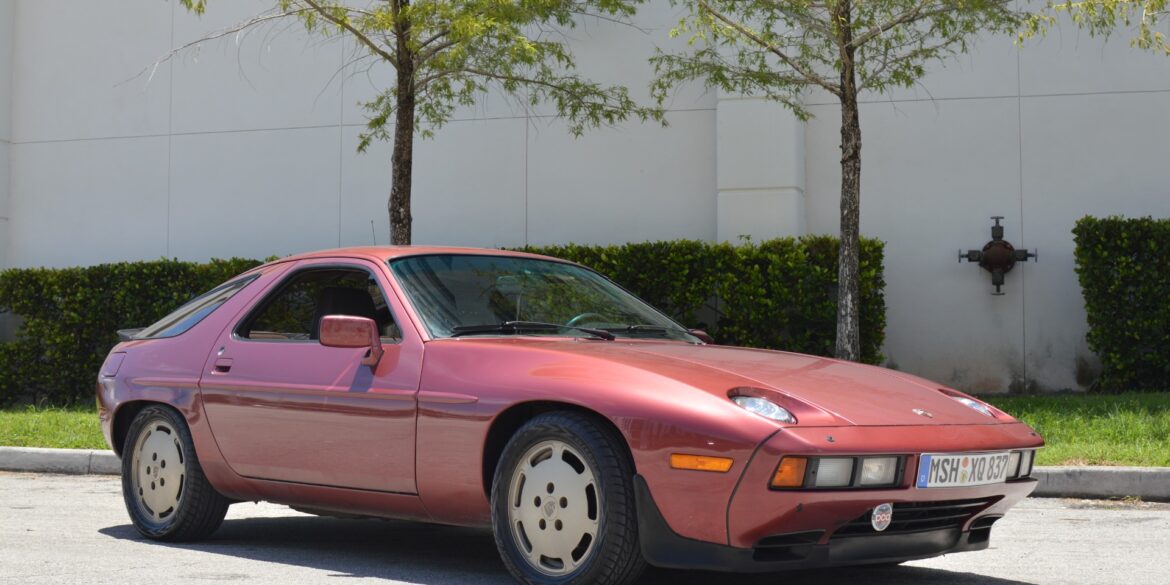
(246, 147)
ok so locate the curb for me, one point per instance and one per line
(71, 461)
(1147, 483)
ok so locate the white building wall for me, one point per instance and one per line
(1067, 127)
(246, 147)
(7, 16)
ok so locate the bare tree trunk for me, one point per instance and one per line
(402, 159)
(848, 293)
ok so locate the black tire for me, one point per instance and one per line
(614, 557)
(189, 508)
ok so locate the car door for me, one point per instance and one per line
(284, 407)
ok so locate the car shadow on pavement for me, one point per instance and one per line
(433, 554)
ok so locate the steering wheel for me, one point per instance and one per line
(584, 317)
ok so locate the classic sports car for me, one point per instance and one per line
(591, 432)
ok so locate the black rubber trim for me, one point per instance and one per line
(742, 473)
(663, 547)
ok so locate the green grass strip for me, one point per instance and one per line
(1096, 429)
(62, 428)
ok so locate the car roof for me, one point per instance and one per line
(385, 253)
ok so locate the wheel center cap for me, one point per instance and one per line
(550, 507)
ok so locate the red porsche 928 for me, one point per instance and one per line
(592, 433)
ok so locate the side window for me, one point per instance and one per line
(191, 313)
(294, 310)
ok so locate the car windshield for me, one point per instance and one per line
(460, 295)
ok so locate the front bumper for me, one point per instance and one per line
(769, 530)
(662, 547)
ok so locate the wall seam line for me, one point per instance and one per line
(1023, 241)
(291, 128)
(341, 140)
(170, 135)
(1018, 95)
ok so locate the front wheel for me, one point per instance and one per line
(166, 493)
(563, 504)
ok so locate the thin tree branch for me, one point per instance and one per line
(357, 34)
(747, 32)
(254, 21)
(915, 15)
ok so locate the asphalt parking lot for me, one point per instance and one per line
(73, 529)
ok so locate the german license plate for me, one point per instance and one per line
(936, 470)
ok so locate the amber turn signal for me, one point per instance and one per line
(700, 462)
(790, 474)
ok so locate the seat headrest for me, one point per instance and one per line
(337, 300)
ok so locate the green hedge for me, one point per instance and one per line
(71, 317)
(1124, 269)
(776, 294)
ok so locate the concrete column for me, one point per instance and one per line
(760, 170)
(7, 16)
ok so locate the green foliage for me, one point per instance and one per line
(1124, 269)
(71, 317)
(1096, 429)
(1102, 17)
(56, 428)
(778, 294)
(779, 49)
(454, 51)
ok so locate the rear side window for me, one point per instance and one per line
(186, 316)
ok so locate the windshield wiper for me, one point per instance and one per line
(640, 327)
(517, 326)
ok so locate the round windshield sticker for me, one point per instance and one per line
(882, 516)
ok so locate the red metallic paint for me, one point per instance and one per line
(297, 411)
(301, 424)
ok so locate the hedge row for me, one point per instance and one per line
(778, 294)
(71, 317)
(1124, 269)
(775, 294)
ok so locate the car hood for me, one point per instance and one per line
(850, 392)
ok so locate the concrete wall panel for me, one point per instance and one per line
(74, 79)
(255, 194)
(631, 184)
(468, 187)
(272, 76)
(88, 202)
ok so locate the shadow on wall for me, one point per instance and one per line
(433, 554)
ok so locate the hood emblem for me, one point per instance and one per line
(830, 438)
(921, 412)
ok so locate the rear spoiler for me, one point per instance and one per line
(129, 334)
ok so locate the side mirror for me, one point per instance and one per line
(702, 335)
(347, 331)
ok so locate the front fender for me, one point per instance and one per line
(466, 386)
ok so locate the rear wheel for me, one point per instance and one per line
(563, 504)
(166, 493)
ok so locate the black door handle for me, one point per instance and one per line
(223, 365)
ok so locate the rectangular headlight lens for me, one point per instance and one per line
(834, 472)
(1014, 464)
(879, 470)
(1026, 463)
